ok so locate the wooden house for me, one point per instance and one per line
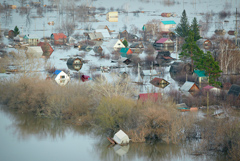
(235, 91)
(159, 82)
(112, 16)
(61, 77)
(115, 44)
(125, 52)
(32, 40)
(74, 63)
(46, 48)
(167, 25)
(163, 43)
(189, 88)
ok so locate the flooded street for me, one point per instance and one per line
(24, 137)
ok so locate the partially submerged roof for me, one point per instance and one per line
(234, 90)
(168, 22)
(104, 32)
(121, 138)
(95, 35)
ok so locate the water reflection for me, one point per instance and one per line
(86, 142)
(25, 125)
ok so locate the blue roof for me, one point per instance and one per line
(124, 50)
(57, 72)
(168, 22)
(200, 73)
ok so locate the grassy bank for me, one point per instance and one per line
(112, 106)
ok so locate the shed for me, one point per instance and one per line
(190, 87)
(211, 89)
(121, 138)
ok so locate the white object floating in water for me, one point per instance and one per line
(121, 138)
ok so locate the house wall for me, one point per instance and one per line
(112, 16)
(166, 27)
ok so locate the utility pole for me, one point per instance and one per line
(236, 32)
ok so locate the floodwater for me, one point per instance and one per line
(27, 138)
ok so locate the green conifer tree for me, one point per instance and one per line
(195, 29)
(182, 28)
(125, 43)
(16, 31)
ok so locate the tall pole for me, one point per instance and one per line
(236, 32)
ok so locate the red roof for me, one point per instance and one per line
(162, 40)
(44, 45)
(149, 96)
(167, 57)
(58, 36)
(208, 87)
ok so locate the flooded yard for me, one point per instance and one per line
(25, 137)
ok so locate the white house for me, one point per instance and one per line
(165, 26)
(61, 77)
(34, 51)
(115, 44)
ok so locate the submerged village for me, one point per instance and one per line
(135, 75)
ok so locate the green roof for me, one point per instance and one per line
(124, 55)
(124, 50)
(200, 73)
(168, 22)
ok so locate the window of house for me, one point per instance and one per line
(62, 76)
(62, 81)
